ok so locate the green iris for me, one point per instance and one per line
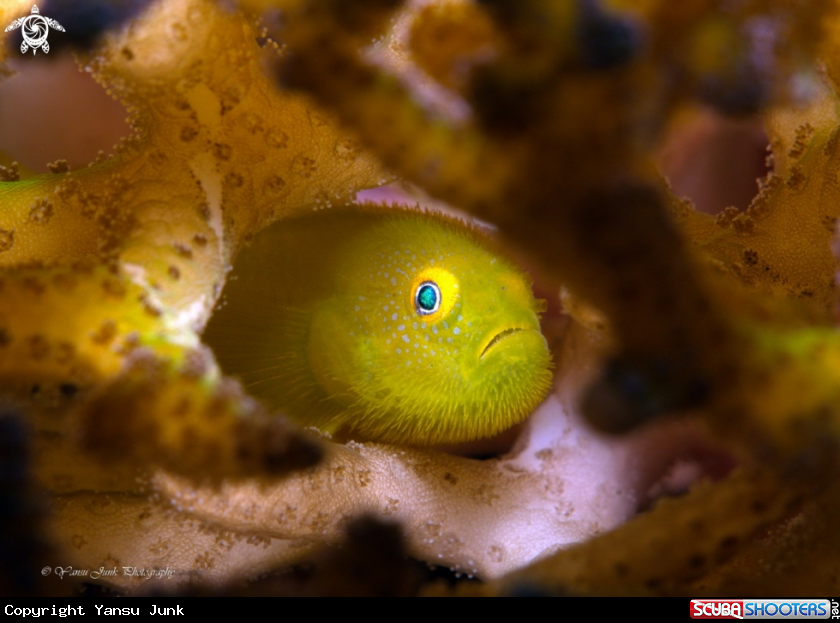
(427, 298)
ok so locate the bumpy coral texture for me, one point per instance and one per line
(542, 119)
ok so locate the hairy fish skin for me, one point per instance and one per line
(384, 324)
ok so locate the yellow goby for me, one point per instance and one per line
(389, 325)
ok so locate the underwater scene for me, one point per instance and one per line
(420, 298)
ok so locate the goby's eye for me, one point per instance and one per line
(427, 298)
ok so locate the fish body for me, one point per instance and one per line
(391, 325)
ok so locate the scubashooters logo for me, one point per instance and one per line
(760, 609)
(35, 29)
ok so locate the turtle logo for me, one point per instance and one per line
(36, 27)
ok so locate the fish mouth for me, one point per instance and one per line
(498, 338)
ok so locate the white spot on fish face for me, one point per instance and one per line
(401, 327)
(405, 339)
(393, 281)
(456, 330)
